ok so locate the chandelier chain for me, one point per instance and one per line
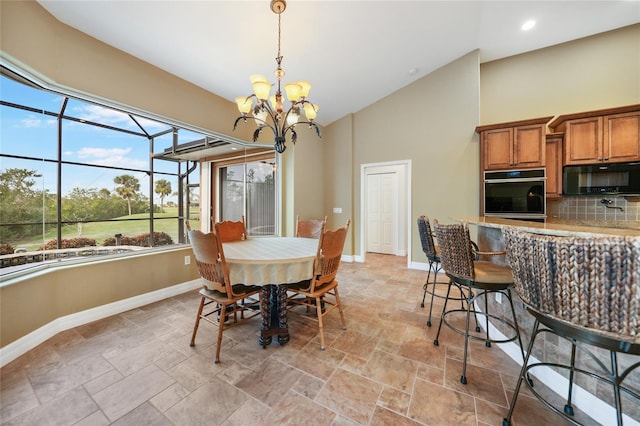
(279, 17)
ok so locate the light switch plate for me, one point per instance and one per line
(337, 209)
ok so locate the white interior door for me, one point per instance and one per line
(382, 213)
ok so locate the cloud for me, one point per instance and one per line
(31, 122)
(87, 152)
(35, 121)
(111, 157)
(99, 114)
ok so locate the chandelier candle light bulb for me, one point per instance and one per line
(269, 111)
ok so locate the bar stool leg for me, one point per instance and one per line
(426, 286)
(534, 333)
(463, 378)
(616, 386)
(515, 323)
(462, 300)
(444, 309)
(435, 280)
(568, 408)
(487, 343)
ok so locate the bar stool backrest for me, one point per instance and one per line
(456, 253)
(426, 238)
(590, 282)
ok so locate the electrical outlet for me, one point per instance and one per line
(187, 260)
(499, 297)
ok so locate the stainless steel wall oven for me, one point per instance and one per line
(515, 194)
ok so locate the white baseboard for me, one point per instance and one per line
(421, 266)
(21, 346)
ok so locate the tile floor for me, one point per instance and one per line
(137, 368)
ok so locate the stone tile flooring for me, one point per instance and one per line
(137, 368)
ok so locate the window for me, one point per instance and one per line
(75, 174)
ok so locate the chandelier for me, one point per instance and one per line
(269, 110)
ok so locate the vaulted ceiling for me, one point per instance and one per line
(353, 52)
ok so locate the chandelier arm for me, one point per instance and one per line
(261, 124)
(310, 123)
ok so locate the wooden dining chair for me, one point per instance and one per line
(314, 292)
(310, 228)
(229, 230)
(227, 300)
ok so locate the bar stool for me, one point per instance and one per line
(587, 291)
(480, 278)
(431, 250)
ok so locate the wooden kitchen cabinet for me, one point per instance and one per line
(513, 145)
(609, 136)
(554, 165)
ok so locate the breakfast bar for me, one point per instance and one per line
(554, 351)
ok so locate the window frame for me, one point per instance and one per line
(181, 175)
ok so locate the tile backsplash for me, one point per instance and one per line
(603, 210)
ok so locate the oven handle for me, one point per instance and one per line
(536, 179)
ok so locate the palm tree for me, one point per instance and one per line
(129, 187)
(163, 188)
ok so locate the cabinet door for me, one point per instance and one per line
(497, 149)
(621, 140)
(583, 141)
(554, 166)
(529, 146)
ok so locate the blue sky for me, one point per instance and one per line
(34, 134)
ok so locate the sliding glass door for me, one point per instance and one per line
(249, 189)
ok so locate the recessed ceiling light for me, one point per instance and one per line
(528, 25)
(413, 71)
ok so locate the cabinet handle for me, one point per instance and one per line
(606, 159)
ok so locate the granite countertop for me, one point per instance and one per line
(562, 227)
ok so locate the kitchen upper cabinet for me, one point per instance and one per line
(621, 137)
(554, 165)
(611, 135)
(518, 144)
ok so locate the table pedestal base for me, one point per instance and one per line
(274, 314)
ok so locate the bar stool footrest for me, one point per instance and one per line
(488, 342)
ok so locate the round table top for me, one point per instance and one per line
(270, 250)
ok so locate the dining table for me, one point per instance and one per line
(272, 263)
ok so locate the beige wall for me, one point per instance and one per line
(304, 181)
(597, 72)
(30, 303)
(430, 122)
(339, 175)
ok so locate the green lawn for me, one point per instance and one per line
(103, 230)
